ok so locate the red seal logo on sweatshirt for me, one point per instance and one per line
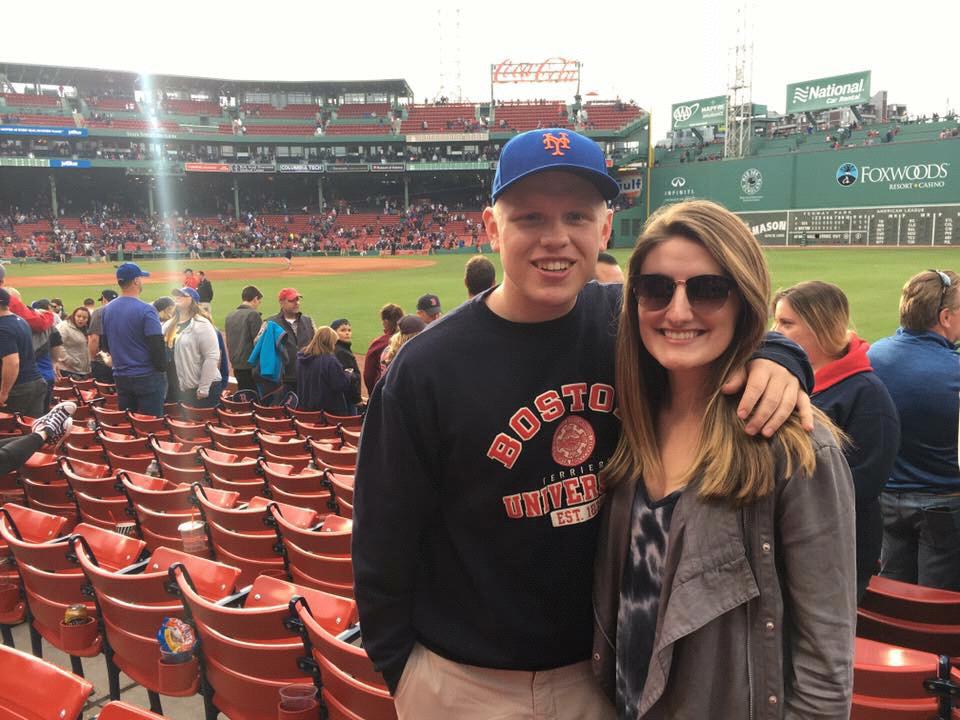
(573, 441)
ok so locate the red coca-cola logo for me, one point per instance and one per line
(573, 441)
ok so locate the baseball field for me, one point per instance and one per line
(356, 287)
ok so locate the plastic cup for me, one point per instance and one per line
(297, 697)
(193, 536)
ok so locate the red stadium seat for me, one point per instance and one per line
(111, 417)
(93, 453)
(186, 431)
(124, 445)
(318, 432)
(133, 607)
(313, 417)
(303, 489)
(270, 411)
(104, 512)
(51, 693)
(157, 494)
(352, 422)
(330, 573)
(144, 425)
(319, 642)
(335, 460)
(888, 682)
(274, 426)
(331, 538)
(52, 583)
(347, 697)
(236, 420)
(342, 485)
(911, 616)
(41, 468)
(91, 478)
(282, 445)
(117, 710)
(351, 437)
(236, 406)
(182, 475)
(175, 454)
(233, 440)
(199, 414)
(249, 654)
(229, 466)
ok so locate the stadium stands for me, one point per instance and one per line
(362, 110)
(529, 116)
(611, 116)
(440, 118)
(19, 100)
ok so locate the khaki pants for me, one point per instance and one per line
(434, 688)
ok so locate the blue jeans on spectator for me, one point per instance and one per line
(142, 394)
(921, 538)
(189, 397)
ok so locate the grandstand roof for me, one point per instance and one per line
(97, 79)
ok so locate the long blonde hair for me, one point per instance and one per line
(323, 342)
(728, 464)
(193, 311)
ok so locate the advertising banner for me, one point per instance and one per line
(70, 164)
(707, 111)
(348, 167)
(297, 168)
(388, 167)
(551, 70)
(206, 167)
(253, 168)
(828, 92)
(37, 130)
(631, 185)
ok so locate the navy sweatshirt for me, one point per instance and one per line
(922, 373)
(477, 487)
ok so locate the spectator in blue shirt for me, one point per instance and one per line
(134, 339)
(921, 369)
(22, 389)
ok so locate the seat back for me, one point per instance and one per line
(117, 710)
(154, 493)
(330, 573)
(33, 689)
(365, 701)
(911, 602)
(249, 653)
(333, 538)
(133, 606)
(323, 631)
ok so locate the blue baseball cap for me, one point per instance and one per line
(553, 149)
(129, 271)
(187, 292)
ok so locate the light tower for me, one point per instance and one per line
(739, 131)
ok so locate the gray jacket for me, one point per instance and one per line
(196, 353)
(758, 607)
(241, 327)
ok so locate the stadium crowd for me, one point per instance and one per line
(732, 510)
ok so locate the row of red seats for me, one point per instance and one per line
(253, 639)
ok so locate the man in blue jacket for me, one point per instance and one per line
(921, 369)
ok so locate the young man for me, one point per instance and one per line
(428, 308)
(475, 517)
(241, 328)
(390, 315)
(101, 372)
(344, 353)
(479, 275)
(204, 290)
(133, 337)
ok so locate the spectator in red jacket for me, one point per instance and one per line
(390, 315)
(38, 322)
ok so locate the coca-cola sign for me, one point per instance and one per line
(552, 70)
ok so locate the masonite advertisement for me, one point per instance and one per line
(387, 167)
(696, 113)
(247, 168)
(631, 184)
(828, 92)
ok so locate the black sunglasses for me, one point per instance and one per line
(945, 284)
(705, 293)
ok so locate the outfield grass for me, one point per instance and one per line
(872, 279)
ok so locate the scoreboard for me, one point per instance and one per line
(893, 225)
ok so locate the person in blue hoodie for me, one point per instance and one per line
(816, 316)
(322, 382)
(921, 369)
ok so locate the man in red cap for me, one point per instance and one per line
(298, 330)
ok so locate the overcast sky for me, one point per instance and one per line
(654, 52)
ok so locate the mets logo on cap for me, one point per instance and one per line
(558, 143)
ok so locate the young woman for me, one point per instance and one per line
(73, 332)
(408, 326)
(725, 581)
(816, 316)
(322, 383)
(191, 336)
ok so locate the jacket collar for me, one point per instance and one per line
(853, 363)
(925, 336)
